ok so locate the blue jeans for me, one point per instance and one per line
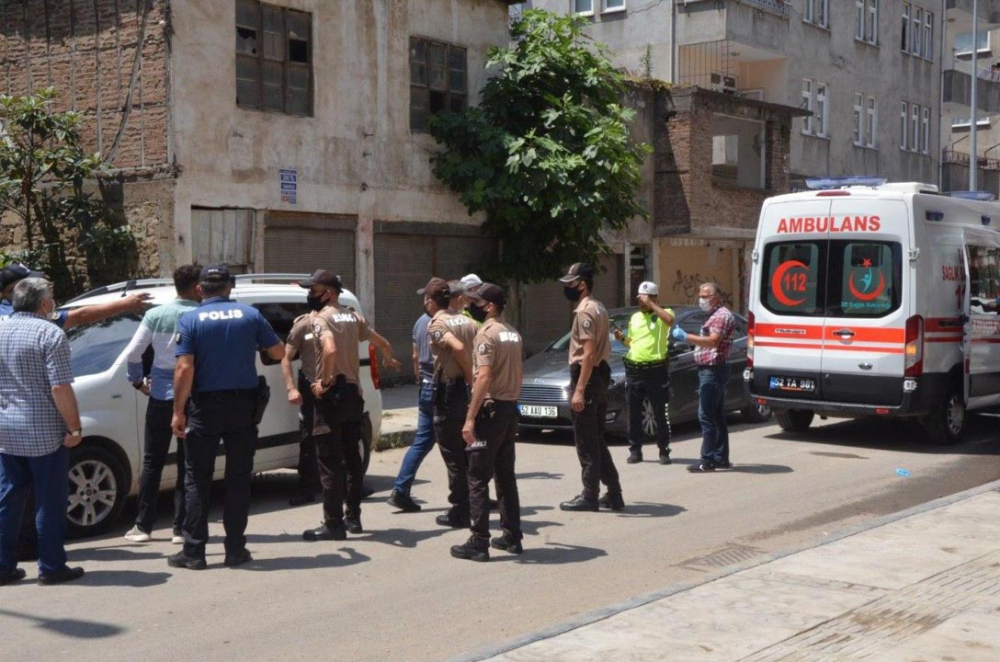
(712, 382)
(422, 443)
(48, 476)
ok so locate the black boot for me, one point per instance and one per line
(328, 531)
(665, 457)
(454, 519)
(580, 504)
(612, 501)
(508, 542)
(634, 457)
(353, 525)
(474, 549)
(403, 502)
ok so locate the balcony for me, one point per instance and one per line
(958, 14)
(752, 24)
(957, 89)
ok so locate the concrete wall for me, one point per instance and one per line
(355, 155)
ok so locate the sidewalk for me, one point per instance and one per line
(399, 417)
(919, 585)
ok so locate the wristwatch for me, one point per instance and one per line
(76, 433)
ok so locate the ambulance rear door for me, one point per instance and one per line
(866, 314)
(982, 249)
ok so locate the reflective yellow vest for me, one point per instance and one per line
(648, 336)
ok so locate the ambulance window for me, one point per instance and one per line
(984, 272)
(794, 278)
(870, 278)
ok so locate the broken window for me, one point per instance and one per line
(273, 58)
(438, 80)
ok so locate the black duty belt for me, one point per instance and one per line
(644, 365)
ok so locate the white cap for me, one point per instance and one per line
(648, 288)
(471, 280)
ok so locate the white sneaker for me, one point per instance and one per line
(136, 534)
(177, 540)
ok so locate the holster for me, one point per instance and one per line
(601, 371)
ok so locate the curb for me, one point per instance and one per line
(673, 589)
(390, 440)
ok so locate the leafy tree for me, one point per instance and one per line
(43, 173)
(547, 154)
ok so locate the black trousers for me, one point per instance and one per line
(492, 457)
(215, 416)
(650, 384)
(451, 404)
(308, 469)
(588, 433)
(156, 444)
(342, 408)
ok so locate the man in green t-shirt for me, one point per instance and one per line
(646, 374)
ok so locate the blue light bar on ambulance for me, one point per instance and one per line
(982, 196)
(935, 216)
(824, 183)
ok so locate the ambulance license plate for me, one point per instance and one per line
(793, 384)
(537, 411)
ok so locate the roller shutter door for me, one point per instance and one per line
(302, 243)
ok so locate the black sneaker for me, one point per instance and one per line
(182, 560)
(665, 457)
(702, 468)
(474, 549)
(724, 465)
(60, 576)
(235, 559)
(612, 501)
(634, 457)
(328, 531)
(580, 504)
(302, 498)
(507, 543)
(403, 502)
(353, 525)
(453, 519)
(11, 576)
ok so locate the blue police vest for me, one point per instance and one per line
(223, 336)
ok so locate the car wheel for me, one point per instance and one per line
(794, 420)
(946, 423)
(756, 413)
(366, 444)
(98, 487)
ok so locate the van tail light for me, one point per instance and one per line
(373, 364)
(750, 323)
(914, 351)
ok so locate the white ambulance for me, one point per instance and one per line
(875, 299)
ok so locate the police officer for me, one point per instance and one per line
(451, 335)
(590, 375)
(648, 379)
(337, 389)
(490, 427)
(216, 366)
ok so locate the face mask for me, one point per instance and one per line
(477, 313)
(572, 292)
(705, 303)
(315, 303)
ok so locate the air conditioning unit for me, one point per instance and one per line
(756, 95)
(724, 84)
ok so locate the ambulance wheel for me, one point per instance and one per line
(944, 426)
(794, 420)
(756, 413)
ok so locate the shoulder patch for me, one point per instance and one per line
(586, 324)
(482, 348)
(437, 334)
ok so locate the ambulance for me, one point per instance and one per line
(870, 298)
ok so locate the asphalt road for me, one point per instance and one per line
(394, 593)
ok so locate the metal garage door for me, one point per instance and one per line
(302, 243)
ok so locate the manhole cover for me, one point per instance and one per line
(722, 558)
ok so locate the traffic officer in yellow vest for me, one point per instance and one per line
(646, 374)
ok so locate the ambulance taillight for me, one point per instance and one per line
(750, 323)
(913, 353)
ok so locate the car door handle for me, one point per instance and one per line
(844, 333)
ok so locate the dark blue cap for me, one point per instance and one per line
(216, 273)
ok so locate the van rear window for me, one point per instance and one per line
(838, 278)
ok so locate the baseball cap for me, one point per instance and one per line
(578, 270)
(457, 287)
(648, 288)
(15, 272)
(471, 281)
(322, 277)
(434, 287)
(491, 294)
(216, 273)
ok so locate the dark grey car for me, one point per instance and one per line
(545, 387)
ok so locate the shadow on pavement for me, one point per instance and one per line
(539, 475)
(309, 562)
(124, 553)
(554, 554)
(407, 538)
(131, 578)
(646, 509)
(69, 627)
(759, 469)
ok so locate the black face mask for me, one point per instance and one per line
(477, 313)
(572, 293)
(315, 303)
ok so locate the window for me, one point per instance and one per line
(928, 35)
(963, 42)
(859, 29)
(273, 58)
(817, 12)
(984, 275)
(583, 7)
(925, 130)
(966, 122)
(904, 117)
(96, 346)
(438, 81)
(794, 277)
(914, 127)
(821, 110)
(904, 42)
(807, 103)
(872, 123)
(916, 46)
(871, 30)
(281, 316)
(614, 5)
(859, 132)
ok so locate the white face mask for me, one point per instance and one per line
(705, 303)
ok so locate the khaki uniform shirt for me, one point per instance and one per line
(498, 345)
(349, 328)
(443, 324)
(590, 322)
(304, 342)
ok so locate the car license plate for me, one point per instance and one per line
(794, 384)
(537, 411)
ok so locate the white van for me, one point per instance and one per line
(105, 468)
(875, 300)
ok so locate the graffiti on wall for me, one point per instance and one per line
(685, 285)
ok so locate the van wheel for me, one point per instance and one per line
(794, 420)
(98, 487)
(945, 425)
(756, 413)
(366, 444)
